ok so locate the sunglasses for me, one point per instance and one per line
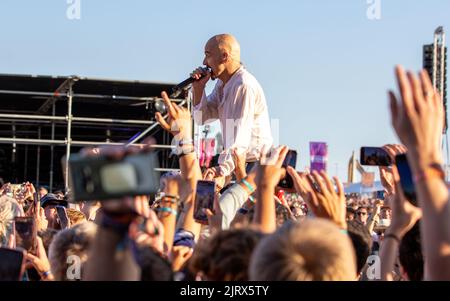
(361, 213)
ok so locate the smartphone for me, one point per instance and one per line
(101, 178)
(204, 198)
(290, 160)
(374, 156)
(406, 179)
(26, 232)
(12, 264)
(380, 195)
(62, 216)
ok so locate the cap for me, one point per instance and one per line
(51, 199)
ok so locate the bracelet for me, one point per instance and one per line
(250, 187)
(343, 231)
(171, 198)
(393, 236)
(186, 142)
(46, 274)
(433, 171)
(252, 199)
(167, 209)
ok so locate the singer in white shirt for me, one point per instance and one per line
(237, 101)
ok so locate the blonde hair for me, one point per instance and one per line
(75, 216)
(310, 250)
(9, 209)
(73, 241)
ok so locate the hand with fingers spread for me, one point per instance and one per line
(179, 121)
(321, 196)
(418, 118)
(386, 176)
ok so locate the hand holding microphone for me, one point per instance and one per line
(201, 75)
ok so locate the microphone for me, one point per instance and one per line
(176, 90)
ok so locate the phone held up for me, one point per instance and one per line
(204, 199)
(374, 156)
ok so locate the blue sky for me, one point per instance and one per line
(324, 66)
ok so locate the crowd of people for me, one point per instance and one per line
(255, 230)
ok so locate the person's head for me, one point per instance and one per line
(314, 249)
(225, 256)
(42, 191)
(9, 209)
(75, 216)
(386, 213)
(350, 214)
(282, 214)
(410, 254)
(362, 214)
(59, 194)
(49, 203)
(74, 241)
(222, 54)
(362, 242)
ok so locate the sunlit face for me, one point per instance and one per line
(386, 213)
(214, 59)
(362, 215)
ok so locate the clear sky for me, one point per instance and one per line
(323, 64)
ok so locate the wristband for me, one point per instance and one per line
(433, 171)
(247, 184)
(252, 199)
(46, 274)
(167, 209)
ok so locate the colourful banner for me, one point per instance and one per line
(319, 155)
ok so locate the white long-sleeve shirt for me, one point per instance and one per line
(240, 106)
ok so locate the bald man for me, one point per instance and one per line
(237, 101)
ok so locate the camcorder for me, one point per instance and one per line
(104, 178)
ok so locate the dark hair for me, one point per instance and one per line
(153, 266)
(362, 242)
(410, 254)
(226, 255)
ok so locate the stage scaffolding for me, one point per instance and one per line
(66, 92)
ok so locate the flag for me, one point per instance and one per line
(319, 155)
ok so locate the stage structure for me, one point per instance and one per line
(44, 118)
(435, 62)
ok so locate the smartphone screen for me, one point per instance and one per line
(374, 156)
(204, 198)
(25, 233)
(12, 264)
(406, 179)
(290, 160)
